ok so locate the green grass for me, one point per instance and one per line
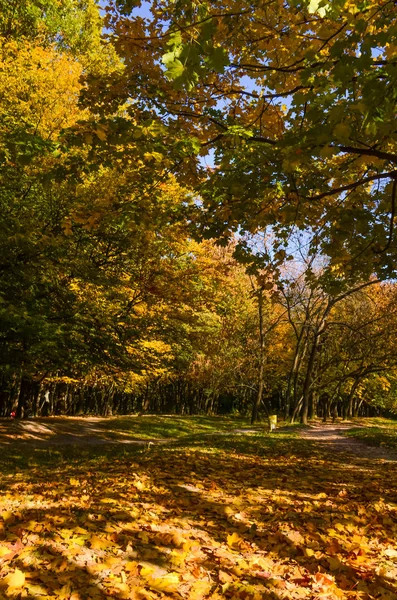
(214, 435)
(376, 432)
(164, 427)
(160, 427)
(375, 422)
(211, 435)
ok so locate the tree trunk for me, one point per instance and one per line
(307, 386)
(351, 398)
(261, 382)
(258, 399)
(297, 408)
(22, 397)
(308, 379)
(292, 379)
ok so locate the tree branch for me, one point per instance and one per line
(368, 152)
(352, 186)
(392, 215)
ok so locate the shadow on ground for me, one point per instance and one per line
(230, 515)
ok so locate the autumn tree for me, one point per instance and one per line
(359, 348)
(110, 294)
(296, 100)
(78, 253)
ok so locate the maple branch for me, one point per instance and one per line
(347, 149)
(215, 139)
(183, 113)
(262, 140)
(292, 68)
(332, 36)
(352, 291)
(221, 135)
(169, 32)
(258, 96)
(368, 152)
(392, 215)
(355, 184)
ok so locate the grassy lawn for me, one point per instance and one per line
(210, 514)
(173, 426)
(376, 432)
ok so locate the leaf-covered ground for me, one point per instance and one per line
(235, 515)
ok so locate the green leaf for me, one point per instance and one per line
(218, 59)
(175, 39)
(168, 58)
(317, 6)
(175, 69)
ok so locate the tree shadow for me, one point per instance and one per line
(249, 516)
(97, 430)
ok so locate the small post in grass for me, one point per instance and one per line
(272, 422)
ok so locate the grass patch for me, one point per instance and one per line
(375, 422)
(173, 434)
(171, 426)
(382, 436)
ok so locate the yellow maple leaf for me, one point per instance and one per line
(67, 227)
(99, 544)
(163, 583)
(131, 566)
(101, 132)
(167, 583)
(224, 577)
(15, 580)
(199, 590)
(7, 516)
(146, 572)
(4, 551)
(233, 539)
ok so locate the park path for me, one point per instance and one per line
(331, 438)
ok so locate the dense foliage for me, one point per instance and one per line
(197, 207)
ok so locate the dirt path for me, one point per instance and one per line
(331, 438)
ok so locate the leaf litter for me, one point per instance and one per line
(289, 522)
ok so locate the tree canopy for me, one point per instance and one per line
(297, 102)
(198, 206)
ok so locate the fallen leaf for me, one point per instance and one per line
(15, 580)
(234, 539)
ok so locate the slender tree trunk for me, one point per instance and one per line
(351, 398)
(291, 385)
(326, 404)
(297, 408)
(22, 397)
(311, 365)
(308, 379)
(312, 405)
(298, 397)
(258, 399)
(261, 382)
